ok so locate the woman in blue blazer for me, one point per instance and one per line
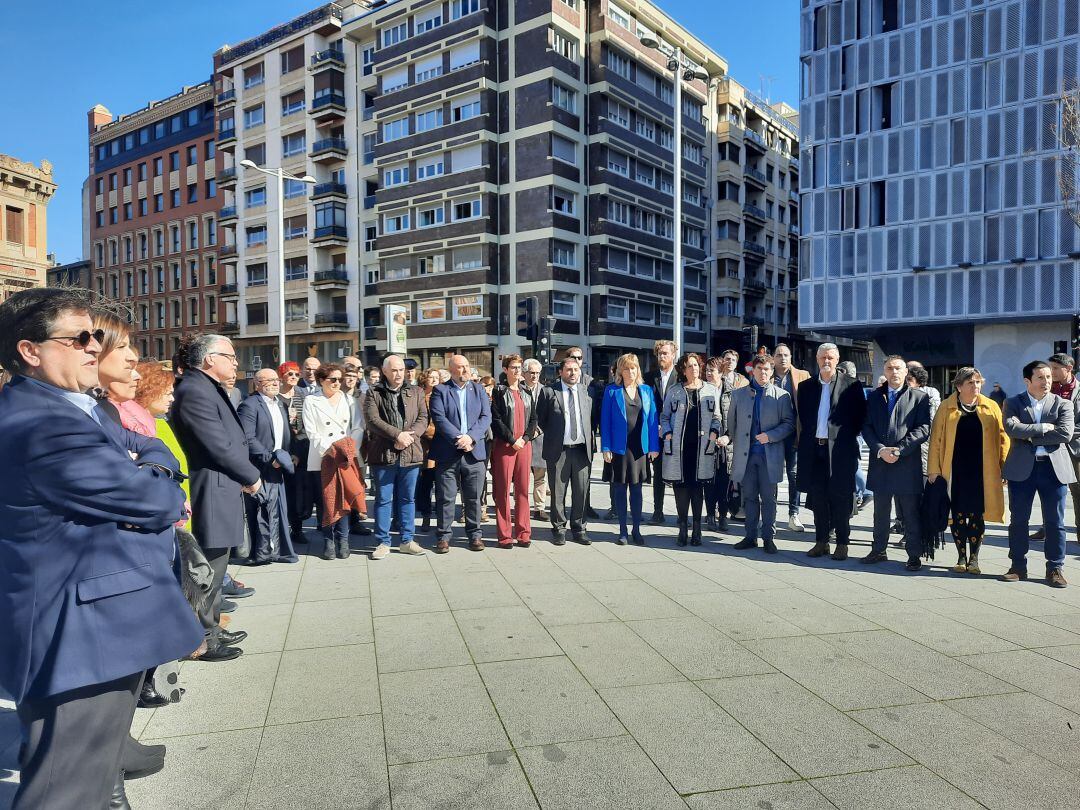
(629, 436)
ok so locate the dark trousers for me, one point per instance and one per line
(830, 500)
(907, 511)
(618, 499)
(791, 468)
(425, 489)
(689, 499)
(219, 562)
(716, 494)
(571, 469)
(72, 744)
(469, 475)
(759, 498)
(267, 518)
(315, 487)
(1044, 482)
(658, 484)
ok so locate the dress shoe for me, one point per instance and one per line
(506, 544)
(819, 550)
(657, 519)
(476, 544)
(219, 652)
(695, 533)
(897, 527)
(874, 557)
(1013, 575)
(770, 547)
(140, 760)
(292, 558)
(231, 639)
(913, 565)
(227, 606)
(442, 546)
(721, 524)
(745, 543)
(795, 524)
(1055, 579)
(329, 551)
(119, 800)
(558, 538)
(359, 529)
(235, 590)
(591, 513)
(683, 537)
(636, 538)
(582, 540)
(151, 698)
(1039, 535)
(840, 554)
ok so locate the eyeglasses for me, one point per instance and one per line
(514, 368)
(334, 380)
(231, 357)
(292, 373)
(81, 340)
(574, 357)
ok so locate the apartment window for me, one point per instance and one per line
(193, 235)
(431, 310)
(143, 246)
(395, 34)
(429, 167)
(99, 219)
(563, 45)
(398, 128)
(618, 162)
(372, 273)
(296, 309)
(293, 144)
(193, 274)
(470, 157)
(395, 223)
(463, 55)
(253, 116)
(645, 128)
(174, 198)
(570, 3)
(174, 162)
(193, 312)
(431, 264)
(396, 176)
(329, 215)
(159, 279)
(157, 167)
(127, 177)
(129, 284)
(174, 239)
(113, 215)
(293, 189)
(127, 211)
(296, 268)
(564, 305)
(256, 274)
(395, 79)
(563, 149)
(144, 282)
(429, 68)
(295, 227)
(429, 119)
(468, 258)
(211, 188)
(462, 8)
(142, 207)
(428, 20)
(618, 114)
(209, 148)
(618, 309)
(563, 97)
(429, 217)
(159, 314)
(292, 59)
(644, 173)
(564, 254)
(255, 197)
(293, 103)
(256, 236)
(564, 202)
(618, 63)
(192, 155)
(367, 58)
(159, 203)
(256, 153)
(211, 271)
(193, 193)
(396, 268)
(211, 309)
(177, 276)
(257, 314)
(469, 209)
(112, 182)
(253, 76)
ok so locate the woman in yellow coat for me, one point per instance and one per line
(968, 447)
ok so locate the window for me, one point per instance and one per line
(431, 264)
(395, 79)
(177, 276)
(428, 20)
(395, 223)
(159, 279)
(113, 217)
(129, 284)
(293, 189)
(192, 155)
(618, 114)
(468, 258)
(253, 116)
(563, 97)
(465, 109)
(253, 76)
(564, 304)
(398, 128)
(329, 215)
(256, 236)
(429, 68)
(293, 103)
(431, 310)
(256, 274)
(618, 63)
(296, 309)
(295, 227)
(209, 149)
(564, 254)
(397, 267)
(462, 8)
(395, 34)
(157, 167)
(645, 128)
(469, 209)
(563, 149)
(127, 177)
(563, 44)
(174, 198)
(159, 203)
(257, 314)
(293, 144)
(174, 239)
(193, 235)
(619, 17)
(211, 188)
(463, 55)
(429, 167)
(193, 274)
(292, 59)
(618, 162)
(618, 309)
(174, 164)
(644, 173)
(159, 314)
(618, 212)
(127, 211)
(144, 282)
(471, 157)
(429, 119)
(396, 175)
(211, 309)
(296, 268)
(193, 312)
(564, 202)
(193, 193)
(211, 271)
(430, 217)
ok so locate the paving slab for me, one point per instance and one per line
(913, 788)
(318, 585)
(330, 623)
(633, 599)
(419, 641)
(1035, 673)
(402, 595)
(1020, 630)
(611, 654)
(493, 780)
(325, 683)
(697, 649)
(735, 616)
(563, 603)
(267, 626)
(781, 796)
(483, 589)
(274, 585)
(808, 612)
(673, 578)
(942, 633)
(500, 634)
(1068, 654)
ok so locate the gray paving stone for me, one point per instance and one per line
(324, 683)
(272, 586)
(590, 567)
(808, 612)
(737, 617)
(1020, 630)
(442, 713)
(532, 570)
(842, 680)
(546, 700)
(782, 796)
(564, 603)
(493, 780)
(831, 587)
(941, 633)
(1034, 673)
(916, 587)
(267, 626)
(673, 578)
(1028, 720)
(913, 788)
(291, 768)
(992, 770)
(632, 555)
(486, 589)
(318, 585)
(1068, 654)
(220, 697)
(419, 641)
(330, 623)
(1066, 621)
(633, 599)
(501, 634)
(612, 773)
(1030, 598)
(683, 730)
(697, 649)
(731, 574)
(610, 654)
(807, 733)
(201, 770)
(399, 596)
(930, 672)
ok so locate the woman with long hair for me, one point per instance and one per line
(116, 363)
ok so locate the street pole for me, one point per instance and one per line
(280, 174)
(677, 268)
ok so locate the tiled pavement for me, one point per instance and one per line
(608, 676)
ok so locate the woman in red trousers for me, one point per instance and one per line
(513, 426)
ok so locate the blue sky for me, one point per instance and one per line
(123, 53)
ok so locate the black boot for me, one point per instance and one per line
(138, 760)
(343, 548)
(682, 533)
(329, 550)
(151, 698)
(695, 537)
(119, 799)
(721, 524)
(636, 538)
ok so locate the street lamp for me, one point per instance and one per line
(281, 176)
(682, 73)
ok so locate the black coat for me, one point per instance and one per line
(846, 416)
(502, 414)
(217, 451)
(907, 428)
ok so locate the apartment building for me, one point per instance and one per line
(930, 179)
(25, 191)
(73, 274)
(152, 227)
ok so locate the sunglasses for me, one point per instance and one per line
(573, 357)
(333, 379)
(292, 373)
(81, 340)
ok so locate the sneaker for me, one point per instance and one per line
(381, 552)
(412, 547)
(795, 524)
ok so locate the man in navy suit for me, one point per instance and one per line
(88, 599)
(266, 424)
(461, 412)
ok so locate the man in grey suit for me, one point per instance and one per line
(760, 419)
(1040, 425)
(897, 425)
(564, 413)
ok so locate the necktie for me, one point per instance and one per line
(572, 414)
(892, 400)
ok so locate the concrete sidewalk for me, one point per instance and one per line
(617, 677)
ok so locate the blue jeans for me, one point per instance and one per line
(618, 498)
(336, 532)
(791, 448)
(394, 496)
(1052, 500)
(759, 498)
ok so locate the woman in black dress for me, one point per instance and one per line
(629, 436)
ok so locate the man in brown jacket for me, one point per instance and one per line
(396, 417)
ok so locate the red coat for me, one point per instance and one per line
(343, 487)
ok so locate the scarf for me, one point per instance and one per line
(1064, 390)
(137, 419)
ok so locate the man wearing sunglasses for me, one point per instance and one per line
(88, 600)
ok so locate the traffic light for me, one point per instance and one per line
(750, 340)
(527, 308)
(544, 352)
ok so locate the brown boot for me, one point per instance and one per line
(841, 552)
(973, 558)
(819, 550)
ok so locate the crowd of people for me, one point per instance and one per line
(127, 487)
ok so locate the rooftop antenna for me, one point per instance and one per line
(766, 86)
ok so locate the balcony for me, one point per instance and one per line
(226, 138)
(369, 202)
(229, 212)
(793, 230)
(753, 251)
(793, 162)
(329, 190)
(331, 320)
(793, 195)
(754, 288)
(227, 253)
(229, 328)
(753, 320)
(331, 236)
(328, 106)
(330, 279)
(756, 140)
(228, 289)
(753, 212)
(330, 58)
(329, 149)
(757, 178)
(226, 177)
(225, 98)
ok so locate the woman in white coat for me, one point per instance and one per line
(327, 419)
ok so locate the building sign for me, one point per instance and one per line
(397, 318)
